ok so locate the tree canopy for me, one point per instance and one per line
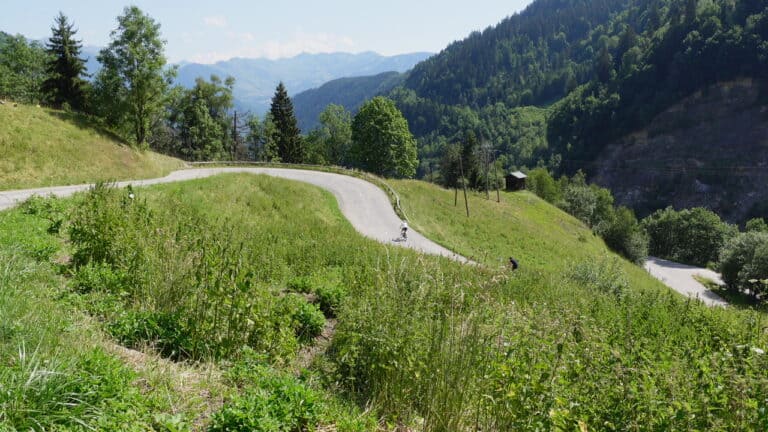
(65, 83)
(133, 81)
(22, 69)
(381, 140)
(287, 136)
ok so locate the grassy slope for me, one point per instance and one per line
(64, 335)
(42, 147)
(578, 350)
(57, 366)
(540, 236)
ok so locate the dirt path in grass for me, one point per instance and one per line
(680, 278)
(366, 206)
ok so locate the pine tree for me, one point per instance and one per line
(65, 68)
(286, 135)
(604, 65)
(690, 11)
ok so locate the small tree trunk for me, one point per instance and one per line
(464, 185)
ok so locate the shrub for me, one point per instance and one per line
(692, 236)
(98, 277)
(757, 225)
(105, 225)
(625, 235)
(306, 319)
(301, 284)
(329, 298)
(164, 331)
(269, 402)
(49, 208)
(605, 277)
(542, 184)
(745, 258)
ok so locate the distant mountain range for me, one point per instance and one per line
(256, 79)
(347, 92)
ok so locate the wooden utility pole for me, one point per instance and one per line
(233, 150)
(464, 184)
(486, 159)
(496, 179)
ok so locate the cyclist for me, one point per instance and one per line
(404, 230)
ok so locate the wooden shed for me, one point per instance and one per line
(515, 181)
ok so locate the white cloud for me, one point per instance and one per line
(215, 21)
(300, 42)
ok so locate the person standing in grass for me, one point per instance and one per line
(513, 263)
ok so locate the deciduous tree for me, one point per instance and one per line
(381, 140)
(22, 69)
(133, 81)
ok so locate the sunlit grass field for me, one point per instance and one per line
(43, 147)
(242, 272)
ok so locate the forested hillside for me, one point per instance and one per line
(654, 63)
(598, 70)
(347, 92)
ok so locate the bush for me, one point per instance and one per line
(49, 208)
(301, 284)
(756, 225)
(625, 235)
(105, 225)
(542, 184)
(306, 319)
(269, 402)
(606, 277)
(692, 236)
(744, 262)
(98, 277)
(164, 331)
(330, 297)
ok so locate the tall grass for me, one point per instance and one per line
(577, 338)
(43, 147)
(54, 376)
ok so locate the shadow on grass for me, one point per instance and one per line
(738, 300)
(86, 122)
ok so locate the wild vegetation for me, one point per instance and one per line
(58, 370)
(565, 340)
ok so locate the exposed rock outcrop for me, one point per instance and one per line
(710, 150)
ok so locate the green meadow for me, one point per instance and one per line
(44, 147)
(293, 321)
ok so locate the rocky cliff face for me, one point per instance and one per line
(710, 150)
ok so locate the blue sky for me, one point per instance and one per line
(213, 30)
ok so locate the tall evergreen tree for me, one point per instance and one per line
(290, 147)
(65, 68)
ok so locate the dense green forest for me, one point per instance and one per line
(347, 92)
(601, 68)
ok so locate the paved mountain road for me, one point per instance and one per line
(366, 206)
(680, 278)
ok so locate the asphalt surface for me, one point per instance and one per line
(680, 278)
(366, 206)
